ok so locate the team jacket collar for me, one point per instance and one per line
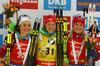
(24, 38)
(78, 36)
(44, 32)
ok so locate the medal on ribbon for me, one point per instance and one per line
(43, 53)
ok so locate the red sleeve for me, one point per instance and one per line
(3, 50)
(97, 49)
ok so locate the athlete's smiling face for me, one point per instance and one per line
(25, 28)
(50, 27)
(78, 28)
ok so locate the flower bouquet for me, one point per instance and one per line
(9, 10)
(89, 43)
(3, 62)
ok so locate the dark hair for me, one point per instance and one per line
(16, 27)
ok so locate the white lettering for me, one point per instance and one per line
(57, 2)
(32, 1)
(55, 8)
(44, 63)
(77, 42)
(52, 63)
(12, 0)
(50, 7)
(28, 1)
(76, 52)
(63, 2)
(17, 1)
(35, 1)
(65, 8)
(51, 2)
(21, 2)
(24, 1)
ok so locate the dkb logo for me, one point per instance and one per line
(52, 4)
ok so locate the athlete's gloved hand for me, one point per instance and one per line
(92, 53)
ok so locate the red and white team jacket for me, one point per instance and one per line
(77, 39)
(15, 56)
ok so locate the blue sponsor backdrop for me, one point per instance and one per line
(52, 4)
(1, 40)
(84, 4)
(1, 20)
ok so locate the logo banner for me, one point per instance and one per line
(1, 20)
(52, 4)
(85, 3)
(25, 4)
